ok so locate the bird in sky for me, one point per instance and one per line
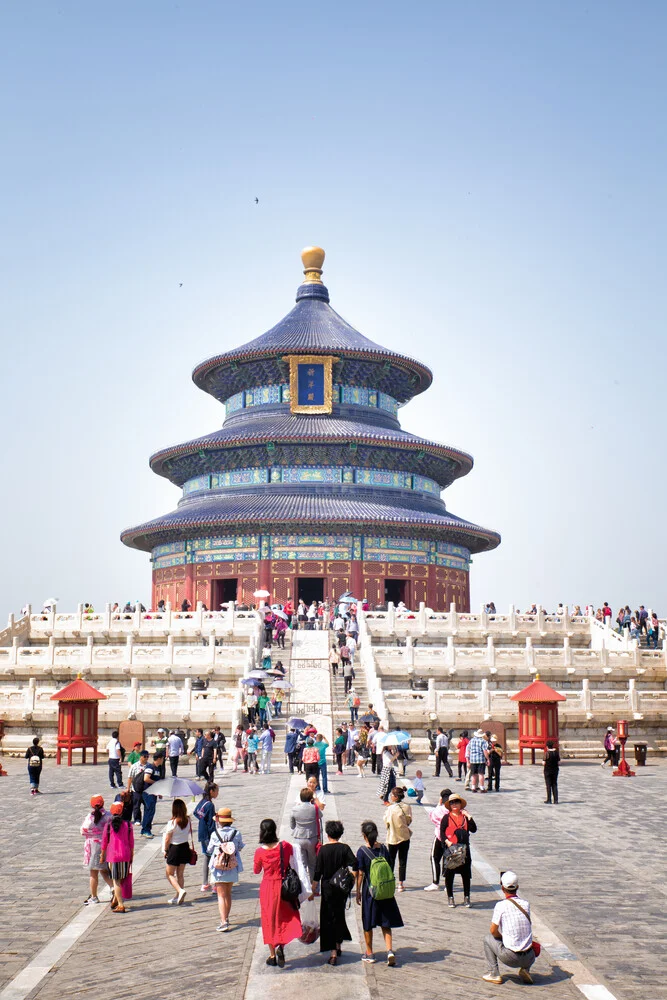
(180, 284)
(257, 201)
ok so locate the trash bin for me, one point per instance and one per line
(640, 753)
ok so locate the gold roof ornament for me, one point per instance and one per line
(313, 259)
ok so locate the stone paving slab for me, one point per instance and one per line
(590, 866)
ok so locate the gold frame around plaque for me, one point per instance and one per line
(310, 359)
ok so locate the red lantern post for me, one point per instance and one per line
(623, 769)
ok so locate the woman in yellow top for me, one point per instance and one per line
(397, 819)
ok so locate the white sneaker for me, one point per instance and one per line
(181, 896)
(91, 899)
(171, 902)
(433, 887)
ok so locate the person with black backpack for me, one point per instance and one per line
(376, 887)
(136, 784)
(332, 873)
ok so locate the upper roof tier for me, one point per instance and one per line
(312, 327)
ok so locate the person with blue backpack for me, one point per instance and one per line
(204, 811)
(376, 887)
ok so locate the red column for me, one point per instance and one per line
(190, 584)
(265, 576)
(431, 591)
(357, 579)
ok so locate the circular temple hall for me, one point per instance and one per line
(311, 488)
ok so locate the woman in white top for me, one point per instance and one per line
(312, 784)
(176, 848)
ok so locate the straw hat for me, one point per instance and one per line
(456, 798)
(224, 816)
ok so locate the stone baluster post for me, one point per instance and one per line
(483, 618)
(633, 696)
(133, 695)
(422, 618)
(530, 652)
(186, 696)
(490, 652)
(409, 655)
(79, 616)
(129, 647)
(565, 619)
(604, 656)
(29, 694)
(52, 617)
(512, 619)
(450, 653)
(453, 617)
(136, 624)
(167, 616)
(10, 621)
(107, 618)
(586, 697)
(51, 658)
(170, 648)
(211, 649)
(231, 615)
(432, 698)
(13, 656)
(540, 618)
(567, 652)
(636, 653)
(485, 699)
(391, 616)
(89, 650)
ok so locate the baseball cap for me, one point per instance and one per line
(509, 880)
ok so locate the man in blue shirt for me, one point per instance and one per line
(290, 748)
(151, 774)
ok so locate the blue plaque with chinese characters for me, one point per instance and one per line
(310, 382)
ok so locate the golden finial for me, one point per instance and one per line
(313, 258)
(537, 677)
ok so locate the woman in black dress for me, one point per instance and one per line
(35, 757)
(332, 856)
(374, 913)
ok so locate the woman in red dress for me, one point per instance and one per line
(280, 920)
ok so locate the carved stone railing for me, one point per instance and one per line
(194, 623)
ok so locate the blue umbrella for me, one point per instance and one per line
(392, 739)
(297, 724)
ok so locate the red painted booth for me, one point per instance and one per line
(538, 716)
(77, 719)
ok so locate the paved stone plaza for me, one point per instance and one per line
(591, 867)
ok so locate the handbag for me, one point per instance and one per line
(537, 947)
(342, 881)
(455, 856)
(126, 886)
(290, 887)
(193, 853)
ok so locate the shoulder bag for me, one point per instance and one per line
(537, 947)
(193, 853)
(290, 887)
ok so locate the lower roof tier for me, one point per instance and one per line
(282, 513)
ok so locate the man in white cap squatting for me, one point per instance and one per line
(511, 934)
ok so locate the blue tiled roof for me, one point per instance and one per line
(312, 327)
(306, 429)
(228, 513)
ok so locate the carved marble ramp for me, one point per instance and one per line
(310, 674)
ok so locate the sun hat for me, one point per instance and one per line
(494, 738)
(479, 732)
(116, 808)
(224, 815)
(96, 800)
(457, 798)
(509, 880)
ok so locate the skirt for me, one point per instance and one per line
(178, 854)
(387, 782)
(94, 863)
(119, 870)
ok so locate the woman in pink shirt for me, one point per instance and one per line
(463, 743)
(117, 851)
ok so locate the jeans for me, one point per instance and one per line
(149, 802)
(137, 799)
(402, 851)
(262, 715)
(290, 761)
(312, 771)
(339, 760)
(115, 772)
(323, 776)
(354, 713)
(33, 774)
(205, 858)
(495, 949)
(173, 764)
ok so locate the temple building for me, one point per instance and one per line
(311, 488)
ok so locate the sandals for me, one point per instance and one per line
(332, 960)
(280, 955)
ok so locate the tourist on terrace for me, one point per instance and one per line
(204, 812)
(332, 857)
(384, 913)
(495, 762)
(161, 607)
(225, 866)
(280, 919)
(455, 829)
(311, 759)
(551, 768)
(362, 753)
(397, 819)
(117, 849)
(333, 660)
(176, 848)
(461, 753)
(35, 757)
(114, 751)
(340, 744)
(442, 753)
(239, 744)
(353, 703)
(207, 760)
(348, 670)
(174, 750)
(253, 747)
(437, 849)
(510, 938)
(654, 631)
(477, 755)
(266, 740)
(92, 829)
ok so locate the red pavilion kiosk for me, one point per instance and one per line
(538, 716)
(77, 719)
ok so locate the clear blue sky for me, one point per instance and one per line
(488, 180)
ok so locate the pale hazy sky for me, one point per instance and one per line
(488, 181)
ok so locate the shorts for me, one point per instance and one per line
(178, 854)
(477, 768)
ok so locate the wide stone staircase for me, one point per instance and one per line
(341, 712)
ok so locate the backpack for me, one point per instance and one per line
(138, 783)
(356, 702)
(311, 756)
(225, 858)
(381, 881)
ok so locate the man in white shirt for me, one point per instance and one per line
(442, 753)
(174, 750)
(511, 935)
(113, 749)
